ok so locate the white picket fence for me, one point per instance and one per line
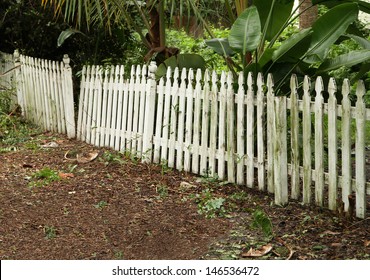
(44, 91)
(212, 126)
(197, 123)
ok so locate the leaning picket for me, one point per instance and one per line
(294, 135)
(332, 146)
(360, 151)
(306, 135)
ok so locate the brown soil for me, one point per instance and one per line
(118, 208)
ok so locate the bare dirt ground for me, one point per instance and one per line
(115, 207)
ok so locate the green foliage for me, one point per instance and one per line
(34, 30)
(162, 191)
(43, 177)
(262, 222)
(209, 205)
(190, 45)
(50, 232)
(302, 52)
(110, 157)
(101, 204)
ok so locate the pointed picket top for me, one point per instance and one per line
(241, 82)
(176, 75)
(198, 76)
(260, 83)
(332, 88)
(214, 81)
(319, 86)
(132, 73)
(345, 88)
(250, 84)
(116, 72)
(223, 79)
(293, 84)
(360, 92)
(137, 73)
(270, 84)
(214, 77)
(168, 76)
(207, 76)
(183, 75)
(230, 80)
(161, 82)
(307, 86)
(122, 72)
(144, 70)
(190, 78)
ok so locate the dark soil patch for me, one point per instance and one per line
(119, 208)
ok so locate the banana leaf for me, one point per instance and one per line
(348, 60)
(328, 28)
(245, 33)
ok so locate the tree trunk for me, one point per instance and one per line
(308, 17)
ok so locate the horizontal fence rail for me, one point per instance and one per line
(300, 146)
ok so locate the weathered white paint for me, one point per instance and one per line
(199, 123)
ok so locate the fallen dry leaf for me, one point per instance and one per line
(258, 252)
(66, 175)
(367, 243)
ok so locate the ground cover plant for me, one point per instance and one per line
(115, 207)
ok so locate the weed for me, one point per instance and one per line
(111, 158)
(118, 255)
(43, 177)
(162, 191)
(209, 205)
(164, 167)
(50, 232)
(262, 221)
(101, 204)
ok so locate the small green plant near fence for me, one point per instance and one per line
(162, 191)
(50, 232)
(43, 177)
(209, 205)
(109, 157)
(262, 222)
(101, 204)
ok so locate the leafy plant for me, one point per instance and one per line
(262, 222)
(162, 191)
(109, 157)
(50, 232)
(255, 32)
(101, 204)
(209, 205)
(44, 177)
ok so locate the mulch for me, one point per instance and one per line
(116, 207)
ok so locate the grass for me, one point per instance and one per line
(43, 177)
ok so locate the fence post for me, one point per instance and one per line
(18, 79)
(151, 90)
(67, 86)
(280, 152)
